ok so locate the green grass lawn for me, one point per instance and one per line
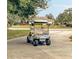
(20, 26)
(16, 33)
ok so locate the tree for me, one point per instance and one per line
(23, 8)
(65, 17)
(50, 16)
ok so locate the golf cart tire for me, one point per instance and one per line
(48, 42)
(28, 41)
(35, 42)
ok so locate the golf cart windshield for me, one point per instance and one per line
(40, 27)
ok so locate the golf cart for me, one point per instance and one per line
(39, 32)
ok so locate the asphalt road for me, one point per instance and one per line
(60, 48)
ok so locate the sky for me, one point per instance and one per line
(55, 7)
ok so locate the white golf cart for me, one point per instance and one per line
(39, 32)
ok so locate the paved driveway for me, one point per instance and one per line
(61, 47)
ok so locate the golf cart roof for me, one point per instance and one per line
(40, 21)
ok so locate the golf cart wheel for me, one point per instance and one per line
(28, 41)
(35, 42)
(48, 42)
